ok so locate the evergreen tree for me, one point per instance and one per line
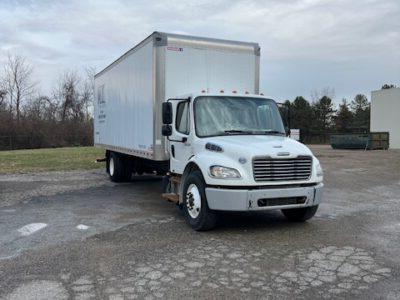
(388, 86)
(302, 115)
(360, 108)
(323, 113)
(344, 117)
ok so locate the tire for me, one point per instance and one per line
(195, 207)
(128, 169)
(300, 214)
(117, 169)
(107, 162)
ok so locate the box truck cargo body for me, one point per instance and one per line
(129, 92)
(189, 108)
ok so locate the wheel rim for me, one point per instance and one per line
(193, 201)
(111, 167)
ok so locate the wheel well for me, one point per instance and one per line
(191, 167)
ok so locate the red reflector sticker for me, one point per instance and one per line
(175, 49)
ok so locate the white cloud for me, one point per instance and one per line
(353, 46)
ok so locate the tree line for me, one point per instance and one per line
(319, 118)
(30, 119)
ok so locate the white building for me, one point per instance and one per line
(385, 114)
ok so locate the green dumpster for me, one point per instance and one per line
(349, 141)
(367, 141)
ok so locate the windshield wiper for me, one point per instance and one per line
(273, 132)
(235, 131)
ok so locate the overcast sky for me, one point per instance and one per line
(351, 46)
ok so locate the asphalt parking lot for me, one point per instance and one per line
(75, 235)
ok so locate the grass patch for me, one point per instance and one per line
(56, 159)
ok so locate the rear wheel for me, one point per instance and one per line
(196, 210)
(300, 214)
(118, 168)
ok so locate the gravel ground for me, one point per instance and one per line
(75, 235)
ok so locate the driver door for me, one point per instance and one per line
(180, 140)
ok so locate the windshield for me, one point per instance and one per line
(236, 115)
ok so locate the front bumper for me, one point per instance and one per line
(263, 199)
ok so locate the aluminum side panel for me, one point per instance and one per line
(124, 109)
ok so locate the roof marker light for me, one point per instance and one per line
(221, 91)
(261, 94)
(203, 91)
(234, 92)
(246, 92)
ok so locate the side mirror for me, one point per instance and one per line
(167, 113)
(285, 111)
(166, 130)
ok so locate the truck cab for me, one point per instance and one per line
(230, 152)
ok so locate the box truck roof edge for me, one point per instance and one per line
(162, 39)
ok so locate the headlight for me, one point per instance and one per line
(223, 172)
(320, 172)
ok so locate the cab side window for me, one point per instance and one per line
(182, 124)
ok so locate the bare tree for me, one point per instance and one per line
(18, 82)
(31, 120)
(41, 107)
(316, 95)
(67, 94)
(88, 90)
(3, 95)
(3, 91)
(75, 96)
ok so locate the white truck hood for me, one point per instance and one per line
(255, 145)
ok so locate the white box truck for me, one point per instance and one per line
(189, 108)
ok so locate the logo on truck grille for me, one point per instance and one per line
(283, 154)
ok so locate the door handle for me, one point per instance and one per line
(173, 151)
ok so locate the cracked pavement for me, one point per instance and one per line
(75, 235)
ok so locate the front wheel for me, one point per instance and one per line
(300, 214)
(196, 210)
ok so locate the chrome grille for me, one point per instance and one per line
(282, 169)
